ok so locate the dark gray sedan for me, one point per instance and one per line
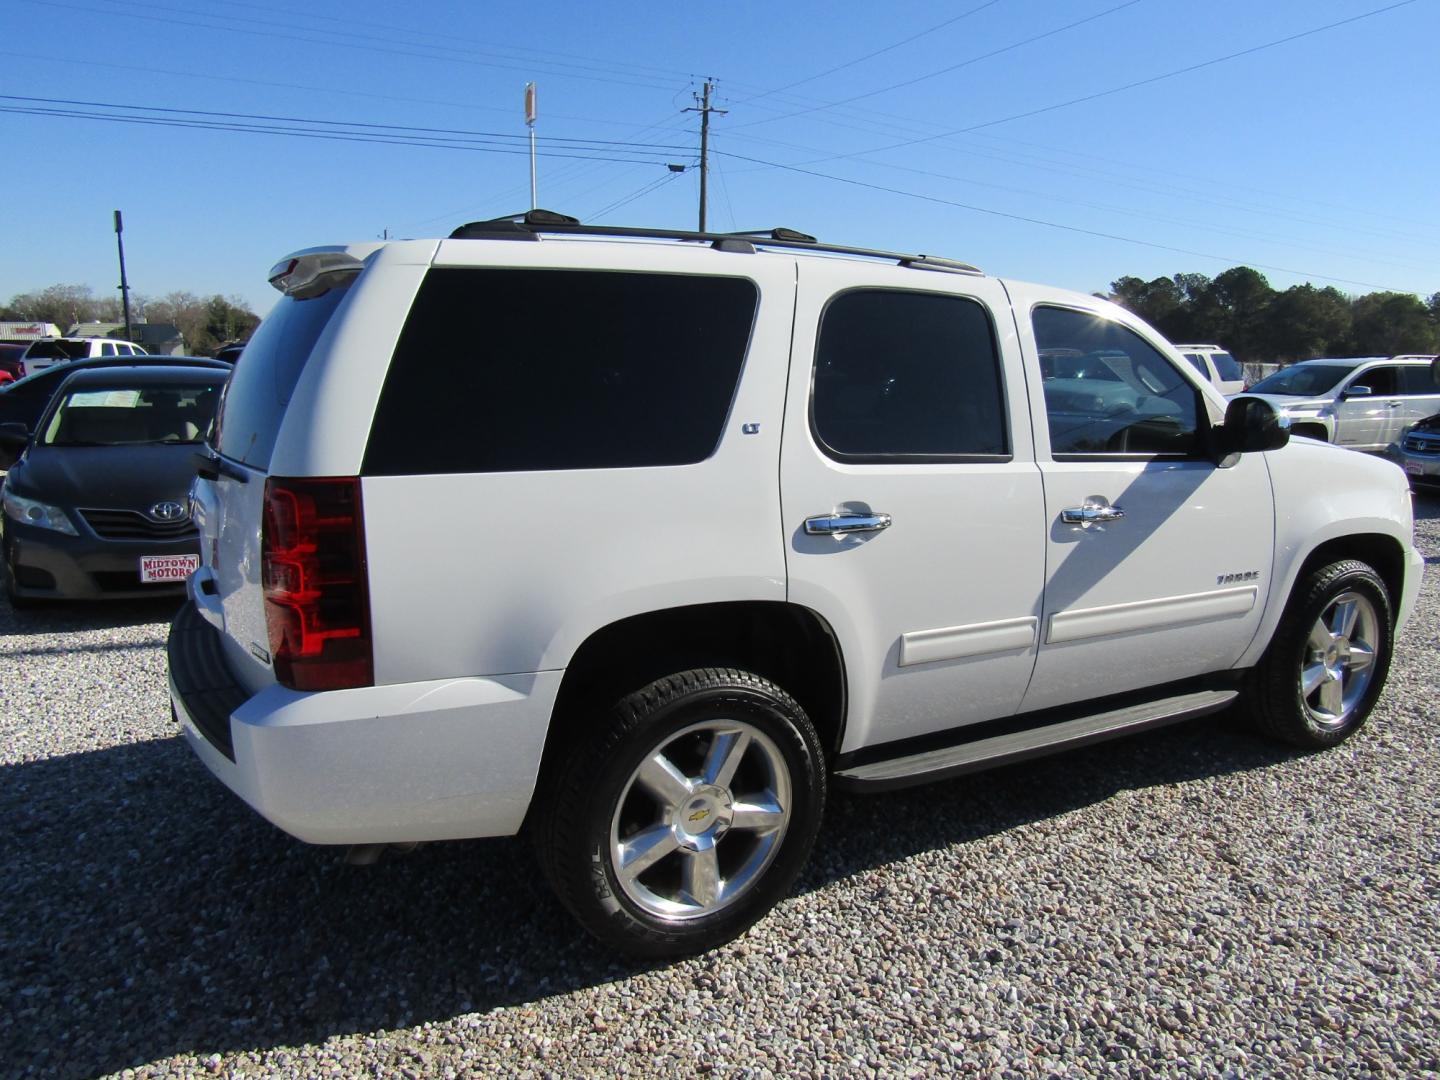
(98, 504)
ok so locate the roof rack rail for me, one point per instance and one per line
(529, 224)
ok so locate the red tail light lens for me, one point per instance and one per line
(317, 604)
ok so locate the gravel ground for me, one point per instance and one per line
(1191, 902)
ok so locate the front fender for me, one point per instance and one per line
(1325, 494)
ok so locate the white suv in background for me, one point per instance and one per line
(47, 352)
(1216, 365)
(702, 525)
(1364, 403)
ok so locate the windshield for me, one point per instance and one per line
(1303, 380)
(131, 417)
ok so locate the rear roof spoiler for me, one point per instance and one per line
(310, 272)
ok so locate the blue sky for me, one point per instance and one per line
(899, 126)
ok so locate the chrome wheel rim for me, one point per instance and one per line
(700, 819)
(1339, 659)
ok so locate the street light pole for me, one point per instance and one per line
(124, 285)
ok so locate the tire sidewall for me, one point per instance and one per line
(1356, 578)
(782, 721)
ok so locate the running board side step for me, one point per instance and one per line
(986, 753)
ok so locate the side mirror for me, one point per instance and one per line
(1357, 391)
(1251, 426)
(14, 437)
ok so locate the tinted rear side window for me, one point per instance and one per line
(1227, 366)
(260, 388)
(1418, 380)
(907, 375)
(519, 370)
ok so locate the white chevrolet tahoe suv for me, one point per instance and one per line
(698, 526)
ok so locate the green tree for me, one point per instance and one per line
(1156, 301)
(1304, 321)
(1386, 323)
(1236, 304)
(228, 320)
(62, 305)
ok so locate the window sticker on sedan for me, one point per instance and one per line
(104, 399)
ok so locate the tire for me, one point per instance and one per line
(686, 816)
(1327, 662)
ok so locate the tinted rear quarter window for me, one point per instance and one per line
(260, 388)
(519, 370)
(1418, 380)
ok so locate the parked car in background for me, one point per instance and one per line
(1216, 365)
(753, 517)
(1419, 453)
(11, 367)
(23, 401)
(229, 353)
(48, 352)
(98, 504)
(1365, 403)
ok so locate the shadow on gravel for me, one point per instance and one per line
(145, 913)
(71, 616)
(1427, 505)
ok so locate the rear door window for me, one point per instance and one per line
(1418, 380)
(559, 370)
(259, 390)
(907, 376)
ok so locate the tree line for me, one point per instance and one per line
(205, 322)
(1239, 310)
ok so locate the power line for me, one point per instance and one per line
(1013, 190)
(359, 124)
(386, 47)
(628, 199)
(332, 136)
(510, 49)
(954, 67)
(131, 70)
(1121, 89)
(1050, 224)
(870, 55)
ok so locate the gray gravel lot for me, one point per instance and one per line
(1192, 902)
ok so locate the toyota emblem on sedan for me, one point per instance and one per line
(168, 511)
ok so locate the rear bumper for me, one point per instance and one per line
(436, 760)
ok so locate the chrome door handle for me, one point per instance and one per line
(840, 524)
(1094, 512)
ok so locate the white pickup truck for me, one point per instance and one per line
(701, 525)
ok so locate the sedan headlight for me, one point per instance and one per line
(41, 515)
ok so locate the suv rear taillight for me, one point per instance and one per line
(317, 604)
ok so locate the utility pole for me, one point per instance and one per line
(705, 110)
(124, 285)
